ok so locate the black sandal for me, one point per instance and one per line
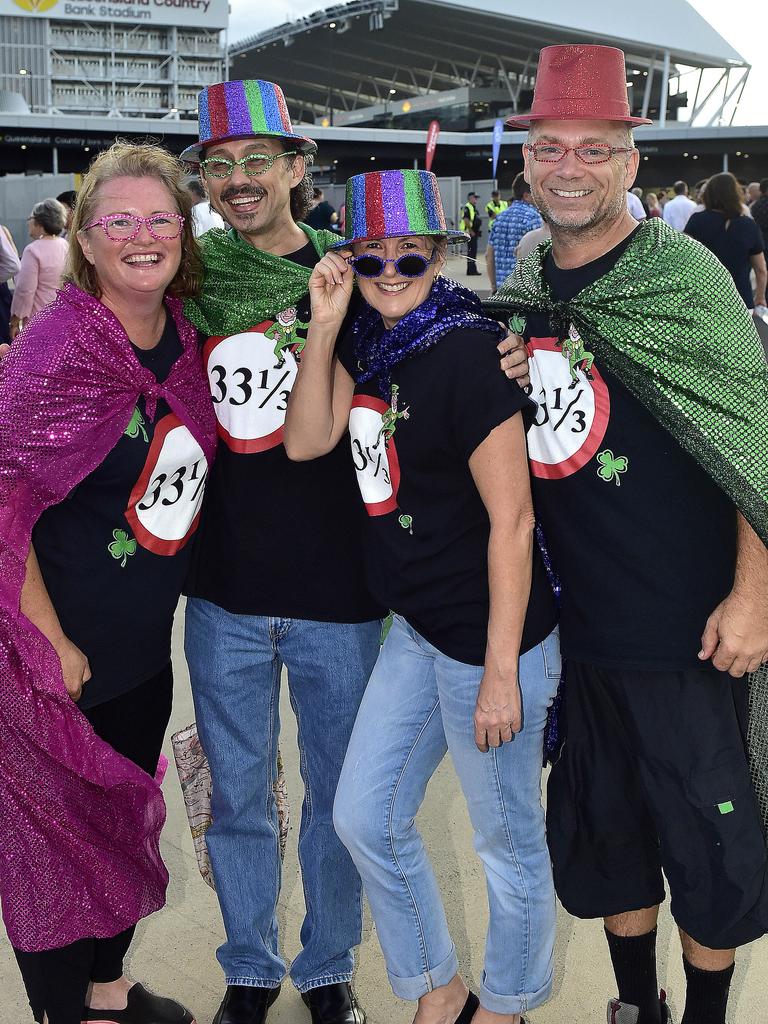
(470, 1008)
(142, 1007)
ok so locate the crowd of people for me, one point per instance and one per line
(561, 497)
(728, 215)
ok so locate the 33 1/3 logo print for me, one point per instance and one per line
(376, 462)
(558, 413)
(250, 389)
(372, 458)
(225, 388)
(164, 505)
(572, 415)
(175, 483)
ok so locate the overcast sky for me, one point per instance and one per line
(741, 22)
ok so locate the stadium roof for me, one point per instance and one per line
(658, 25)
(369, 55)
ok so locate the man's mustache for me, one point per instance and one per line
(253, 191)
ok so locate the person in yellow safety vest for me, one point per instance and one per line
(495, 206)
(470, 222)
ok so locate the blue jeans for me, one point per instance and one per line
(235, 663)
(418, 705)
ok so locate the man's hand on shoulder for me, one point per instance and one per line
(4, 350)
(736, 635)
(514, 360)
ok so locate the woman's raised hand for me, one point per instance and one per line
(330, 288)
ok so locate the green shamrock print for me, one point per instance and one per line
(516, 324)
(121, 546)
(611, 466)
(406, 522)
(136, 426)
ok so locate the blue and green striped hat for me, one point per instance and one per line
(388, 204)
(240, 110)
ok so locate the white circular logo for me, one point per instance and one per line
(250, 387)
(572, 418)
(375, 458)
(164, 506)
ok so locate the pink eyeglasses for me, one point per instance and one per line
(123, 227)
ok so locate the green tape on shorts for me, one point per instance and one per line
(726, 807)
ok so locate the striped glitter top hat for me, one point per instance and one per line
(239, 110)
(388, 204)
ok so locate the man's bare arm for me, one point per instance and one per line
(490, 265)
(736, 634)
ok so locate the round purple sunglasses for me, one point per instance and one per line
(410, 264)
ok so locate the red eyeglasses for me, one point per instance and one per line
(554, 152)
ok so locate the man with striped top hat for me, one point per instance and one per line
(277, 580)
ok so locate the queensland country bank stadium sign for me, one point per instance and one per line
(210, 14)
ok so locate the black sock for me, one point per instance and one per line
(706, 994)
(634, 964)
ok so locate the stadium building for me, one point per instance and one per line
(123, 59)
(367, 76)
(401, 63)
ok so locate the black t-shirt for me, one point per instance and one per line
(759, 211)
(319, 217)
(643, 540)
(277, 538)
(732, 241)
(115, 552)
(428, 530)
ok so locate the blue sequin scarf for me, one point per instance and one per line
(448, 307)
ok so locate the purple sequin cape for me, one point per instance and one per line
(79, 833)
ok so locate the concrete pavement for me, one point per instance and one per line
(174, 950)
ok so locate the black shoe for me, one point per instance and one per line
(142, 1007)
(246, 1004)
(334, 1004)
(470, 1008)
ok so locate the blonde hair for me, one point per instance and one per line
(134, 160)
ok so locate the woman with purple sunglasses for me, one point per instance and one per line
(108, 434)
(471, 662)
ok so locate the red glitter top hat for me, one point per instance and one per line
(580, 83)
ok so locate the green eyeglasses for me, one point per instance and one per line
(253, 165)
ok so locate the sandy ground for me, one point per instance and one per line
(174, 951)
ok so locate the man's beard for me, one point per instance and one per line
(590, 223)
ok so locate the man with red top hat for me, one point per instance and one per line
(650, 475)
(277, 579)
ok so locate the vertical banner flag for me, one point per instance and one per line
(432, 133)
(498, 131)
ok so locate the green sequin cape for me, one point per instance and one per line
(668, 322)
(243, 286)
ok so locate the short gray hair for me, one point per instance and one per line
(51, 215)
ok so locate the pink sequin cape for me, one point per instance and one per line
(80, 828)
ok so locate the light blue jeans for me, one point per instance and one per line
(235, 663)
(418, 705)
